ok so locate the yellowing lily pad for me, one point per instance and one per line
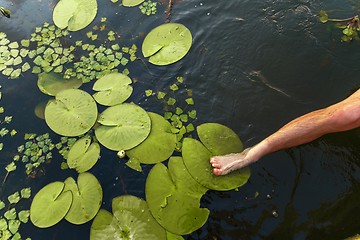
(218, 140)
(83, 155)
(174, 197)
(113, 89)
(73, 112)
(131, 3)
(123, 126)
(50, 205)
(53, 83)
(167, 43)
(74, 14)
(158, 146)
(87, 197)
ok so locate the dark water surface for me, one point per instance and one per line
(254, 65)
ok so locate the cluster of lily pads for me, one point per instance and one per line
(11, 220)
(173, 191)
(77, 202)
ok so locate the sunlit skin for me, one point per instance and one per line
(342, 116)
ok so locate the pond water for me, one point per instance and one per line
(254, 65)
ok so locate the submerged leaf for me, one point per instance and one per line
(53, 83)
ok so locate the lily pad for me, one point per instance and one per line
(174, 197)
(87, 197)
(50, 205)
(131, 220)
(112, 89)
(74, 14)
(53, 83)
(131, 3)
(158, 146)
(167, 43)
(83, 155)
(218, 140)
(123, 126)
(72, 113)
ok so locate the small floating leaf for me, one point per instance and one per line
(14, 198)
(24, 216)
(167, 43)
(25, 192)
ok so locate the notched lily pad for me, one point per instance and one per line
(50, 205)
(112, 89)
(74, 14)
(158, 146)
(87, 197)
(53, 83)
(217, 140)
(73, 112)
(123, 126)
(174, 197)
(83, 155)
(167, 43)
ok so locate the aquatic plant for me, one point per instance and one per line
(131, 219)
(350, 26)
(76, 202)
(174, 197)
(35, 152)
(74, 14)
(167, 43)
(148, 8)
(216, 139)
(5, 12)
(11, 219)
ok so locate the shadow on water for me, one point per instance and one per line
(254, 65)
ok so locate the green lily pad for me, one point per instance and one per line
(131, 3)
(50, 205)
(174, 197)
(167, 43)
(87, 197)
(83, 155)
(158, 146)
(131, 220)
(218, 140)
(123, 126)
(210, 135)
(112, 89)
(72, 113)
(74, 14)
(53, 83)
